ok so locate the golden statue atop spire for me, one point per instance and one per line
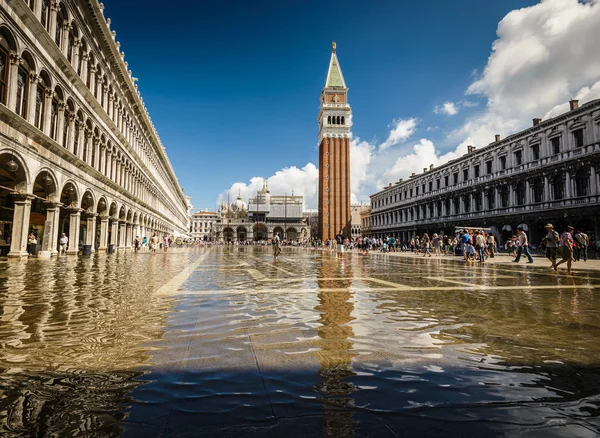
(333, 46)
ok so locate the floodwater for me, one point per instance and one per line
(227, 342)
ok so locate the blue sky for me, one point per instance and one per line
(233, 86)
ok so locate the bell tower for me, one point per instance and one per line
(335, 121)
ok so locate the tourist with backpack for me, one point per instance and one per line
(583, 241)
(551, 241)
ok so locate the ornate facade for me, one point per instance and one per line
(78, 151)
(202, 225)
(335, 122)
(262, 218)
(547, 173)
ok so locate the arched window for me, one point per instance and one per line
(558, 187)
(343, 120)
(467, 203)
(23, 79)
(66, 124)
(45, 18)
(338, 120)
(60, 23)
(329, 120)
(4, 68)
(71, 44)
(491, 199)
(40, 103)
(31, 4)
(520, 193)
(54, 117)
(582, 182)
(504, 197)
(76, 135)
(538, 190)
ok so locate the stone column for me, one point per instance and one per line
(110, 107)
(50, 242)
(13, 74)
(60, 125)
(92, 85)
(99, 86)
(38, 10)
(593, 181)
(96, 155)
(546, 188)
(114, 224)
(64, 41)
(71, 133)
(568, 183)
(122, 234)
(33, 83)
(497, 197)
(129, 237)
(90, 229)
(528, 196)
(53, 14)
(75, 55)
(80, 140)
(47, 111)
(103, 233)
(84, 67)
(89, 141)
(74, 223)
(20, 228)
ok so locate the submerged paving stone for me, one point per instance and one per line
(226, 341)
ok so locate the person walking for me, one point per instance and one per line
(551, 241)
(523, 246)
(565, 247)
(491, 241)
(480, 246)
(63, 242)
(153, 243)
(276, 246)
(136, 243)
(583, 241)
(339, 240)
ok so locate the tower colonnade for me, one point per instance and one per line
(78, 151)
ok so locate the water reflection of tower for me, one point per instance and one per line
(335, 333)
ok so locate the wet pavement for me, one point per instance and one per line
(227, 342)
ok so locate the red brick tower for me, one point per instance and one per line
(335, 121)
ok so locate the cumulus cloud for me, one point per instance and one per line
(543, 56)
(304, 181)
(448, 108)
(401, 131)
(299, 181)
(423, 155)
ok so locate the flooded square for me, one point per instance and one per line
(227, 341)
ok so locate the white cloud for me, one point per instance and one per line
(423, 155)
(304, 181)
(299, 181)
(401, 131)
(544, 56)
(448, 108)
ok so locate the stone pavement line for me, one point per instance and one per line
(175, 283)
(280, 269)
(389, 289)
